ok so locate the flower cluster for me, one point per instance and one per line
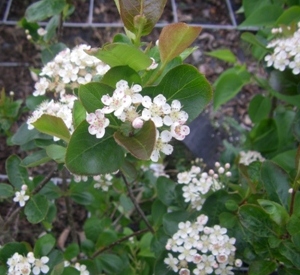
(201, 249)
(286, 53)
(103, 181)
(21, 265)
(62, 109)
(69, 69)
(21, 197)
(128, 105)
(197, 184)
(250, 156)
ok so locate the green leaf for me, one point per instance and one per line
(132, 10)
(141, 144)
(87, 155)
(56, 152)
(83, 198)
(92, 228)
(36, 208)
(6, 191)
(228, 220)
(44, 9)
(288, 16)
(53, 126)
(263, 16)
(71, 251)
(44, 245)
(223, 54)
(229, 84)
(254, 219)
(293, 225)
(253, 40)
(120, 54)
(262, 267)
(259, 108)
(172, 219)
(166, 190)
(286, 160)
(175, 38)
(115, 74)
(51, 29)
(70, 271)
(158, 210)
(288, 250)
(276, 183)
(78, 112)
(145, 244)
(112, 264)
(187, 85)
(276, 211)
(250, 6)
(9, 249)
(90, 95)
(17, 175)
(58, 269)
(36, 158)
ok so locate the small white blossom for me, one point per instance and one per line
(98, 122)
(21, 197)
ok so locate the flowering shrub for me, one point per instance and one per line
(103, 121)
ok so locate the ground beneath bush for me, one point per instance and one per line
(205, 140)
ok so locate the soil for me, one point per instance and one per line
(22, 55)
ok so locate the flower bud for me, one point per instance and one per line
(137, 123)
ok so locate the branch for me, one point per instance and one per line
(101, 250)
(137, 207)
(44, 181)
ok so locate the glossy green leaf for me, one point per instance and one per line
(254, 219)
(90, 95)
(223, 54)
(263, 16)
(131, 10)
(17, 175)
(229, 84)
(36, 208)
(53, 126)
(290, 15)
(259, 108)
(228, 220)
(120, 54)
(36, 158)
(286, 160)
(56, 152)
(293, 225)
(166, 190)
(283, 270)
(115, 74)
(70, 271)
(276, 211)
(253, 40)
(83, 198)
(44, 245)
(250, 6)
(58, 269)
(175, 38)
(111, 263)
(145, 244)
(87, 155)
(276, 183)
(43, 9)
(78, 112)
(51, 29)
(6, 191)
(187, 85)
(92, 228)
(141, 144)
(263, 267)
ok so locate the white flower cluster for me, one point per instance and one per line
(21, 197)
(69, 69)
(62, 109)
(286, 53)
(128, 105)
(21, 265)
(197, 184)
(199, 249)
(250, 156)
(103, 181)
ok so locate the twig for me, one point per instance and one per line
(69, 208)
(137, 207)
(118, 242)
(44, 182)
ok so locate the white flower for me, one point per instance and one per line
(162, 145)
(41, 86)
(153, 66)
(171, 262)
(98, 122)
(82, 269)
(21, 197)
(41, 31)
(179, 131)
(184, 271)
(39, 266)
(250, 156)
